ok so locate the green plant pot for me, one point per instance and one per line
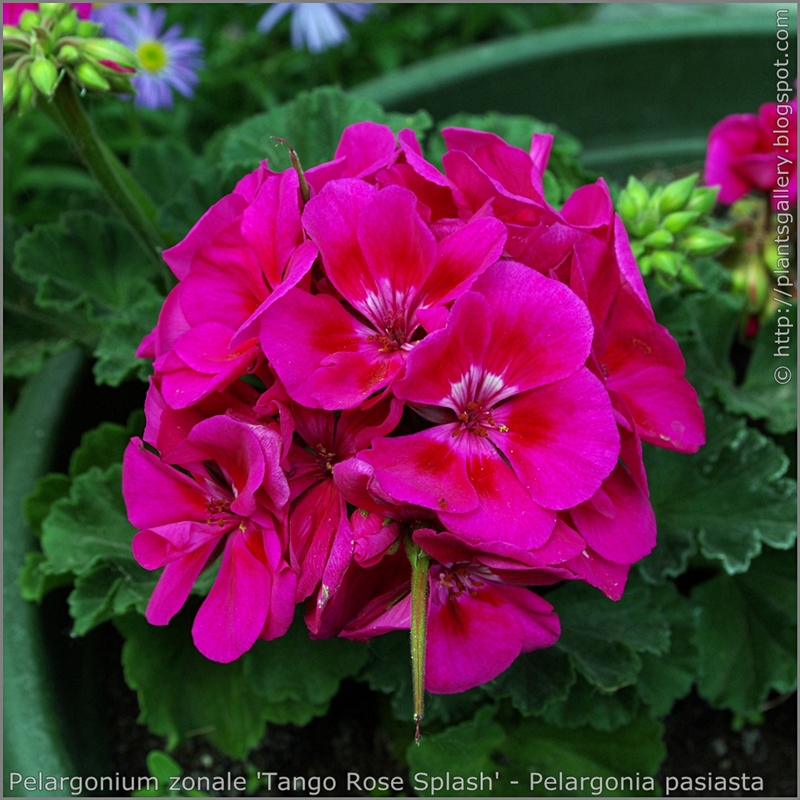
(637, 93)
(51, 721)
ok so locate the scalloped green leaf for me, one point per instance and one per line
(535, 680)
(297, 695)
(183, 694)
(746, 633)
(604, 637)
(730, 497)
(760, 396)
(312, 123)
(587, 705)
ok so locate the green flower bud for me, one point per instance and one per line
(29, 20)
(627, 207)
(703, 199)
(10, 88)
(688, 275)
(68, 54)
(53, 9)
(10, 30)
(638, 194)
(14, 39)
(44, 76)
(648, 223)
(666, 262)
(86, 29)
(645, 265)
(751, 280)
(637, 248)
(91, 78)
(679, 220)
(67, 25)
(677, 194)
(110, 50)
(705, 241)
(26, 93)
(659, 239)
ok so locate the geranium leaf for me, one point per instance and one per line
(587, 705)
(533, 751)
(49, 488)
(760, 396)
(289, 694)
(604, 637)
(747, 633)
(464, 750)
(90, 525)
(183, 694)
(104, 445)
(731, 494)
(163, 166)
(92, 273)
(312, 123)
(29, 335)
(109, 590)
(35, 584)
(632, 750)
(535, 680)
(668, 677)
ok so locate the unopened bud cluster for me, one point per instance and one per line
(52, 43)
(669, 226)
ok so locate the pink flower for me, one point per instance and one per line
(385, 262)
(526, 427)
(229, 504)
(246, 251)
(744, 152)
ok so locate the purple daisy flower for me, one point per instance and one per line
(316, 26)
(168, 61)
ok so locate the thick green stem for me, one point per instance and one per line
(120, 187)
(420, 566)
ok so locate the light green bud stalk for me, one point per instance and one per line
(91, 78)
(676, 194)
(44, 76)
(659, 239)
(703, 199)
(110, 50)
(705, 241)
(678, 221)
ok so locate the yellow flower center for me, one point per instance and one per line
(152, 56)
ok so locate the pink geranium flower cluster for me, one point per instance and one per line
(405, 359)
(748, 152)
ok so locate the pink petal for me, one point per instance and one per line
(626, 534)
(562, 439)
(175, 584)
(324, 356)
(232, 616)
(155, 493)
(424, 469)
(512, 619)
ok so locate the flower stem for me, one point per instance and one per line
(420, 566)
(119, 185)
